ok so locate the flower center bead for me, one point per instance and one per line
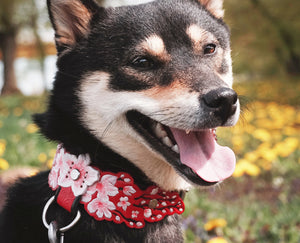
(75, 174)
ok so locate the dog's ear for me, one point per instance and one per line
(71, 20)
(215, 7)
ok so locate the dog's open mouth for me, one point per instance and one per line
(195, 155)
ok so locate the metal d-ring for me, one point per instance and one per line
(63, 229)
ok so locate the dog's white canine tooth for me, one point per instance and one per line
(187, 131)
(167, 141)
(159, 131)
(175, 148)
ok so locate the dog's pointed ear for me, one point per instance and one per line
(215, 7)
(71, 20)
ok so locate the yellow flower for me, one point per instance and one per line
(298, 118)
(42, 157)
(32, 128)
(18, 111)
(290, 131)
(217, 240)
(239, 171)
(269, 155)
(49, 163)
(251, 156)
(3, 164)
(287, 147)
(265, 123)
(262, 148)
(215, 223)
(2, 146)
(33, 172)
(262, 134)
(245, 167)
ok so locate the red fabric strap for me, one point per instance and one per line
(65, 198)
(109, 196)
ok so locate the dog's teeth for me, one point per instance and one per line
(159, 131)
(175, 149)
(187, 131)
(167, 141)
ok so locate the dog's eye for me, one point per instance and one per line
(209, 49)
(143, 63)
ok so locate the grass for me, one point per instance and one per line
(259, 204)
(20, 141)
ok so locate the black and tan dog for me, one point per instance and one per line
(137, 97)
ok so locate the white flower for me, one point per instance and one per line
(129, 190)
(147, 213)
(154, 191)
(86, 175)
(104, 188)
(134, 214)
(57, 164)
(101, 207)
(124, 203)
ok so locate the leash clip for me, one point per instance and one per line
(52, 227)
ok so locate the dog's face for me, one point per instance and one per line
(153, 81)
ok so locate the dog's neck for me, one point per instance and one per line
(107, 195)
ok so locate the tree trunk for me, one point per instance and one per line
(38, 41)
(8, 47)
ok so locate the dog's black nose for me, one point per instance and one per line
(222, 101)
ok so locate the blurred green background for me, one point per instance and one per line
(261, 202)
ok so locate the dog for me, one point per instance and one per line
(137, 98)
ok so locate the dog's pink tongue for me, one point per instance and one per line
(200, 151)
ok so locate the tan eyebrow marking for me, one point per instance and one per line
(155, 46)
(198, 36)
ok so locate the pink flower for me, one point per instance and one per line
(129, 190)
(124, 203)
(104, 188)
(77, 174)
(101, 207)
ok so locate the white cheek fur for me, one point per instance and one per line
(103, 114)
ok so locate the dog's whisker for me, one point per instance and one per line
(109, 126)
(67, 74)
(162, 112)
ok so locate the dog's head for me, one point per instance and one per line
(151, 82)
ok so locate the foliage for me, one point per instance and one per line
(259, 46)
(19, 137)
(14, 14)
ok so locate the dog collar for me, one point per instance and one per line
(108, 196)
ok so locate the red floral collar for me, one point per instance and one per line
(109, 196)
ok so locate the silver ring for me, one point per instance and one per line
(64, 229)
